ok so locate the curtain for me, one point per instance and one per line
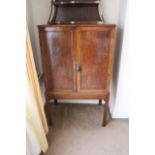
(36, 127)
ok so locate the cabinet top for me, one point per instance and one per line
(59, 26)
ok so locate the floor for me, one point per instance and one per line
(77, 130)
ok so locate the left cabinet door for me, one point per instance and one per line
(57, 52)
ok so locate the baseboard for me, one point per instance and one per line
(120, 116)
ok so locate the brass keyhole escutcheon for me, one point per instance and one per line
(78, 67)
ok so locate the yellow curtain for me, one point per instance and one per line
(34, 107)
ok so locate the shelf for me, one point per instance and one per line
(65, 2)
(75, 22)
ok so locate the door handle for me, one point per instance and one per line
(78, 67)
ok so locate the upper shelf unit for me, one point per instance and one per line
(75, 11)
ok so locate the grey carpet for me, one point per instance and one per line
(77, 130)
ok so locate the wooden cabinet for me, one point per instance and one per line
(77, 60)
(77, 51)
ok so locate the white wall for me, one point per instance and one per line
(110, 10)
(121, 108)
(37, 13)
(114, 12)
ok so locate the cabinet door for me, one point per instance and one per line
(57, 49)
(95, 57)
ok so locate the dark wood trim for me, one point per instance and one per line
(78, 22)
(76, 2)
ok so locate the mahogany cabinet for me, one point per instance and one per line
(77, 61)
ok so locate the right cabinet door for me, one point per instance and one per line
(95, 48)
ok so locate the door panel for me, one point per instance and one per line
(58, 54)
(94, 54)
